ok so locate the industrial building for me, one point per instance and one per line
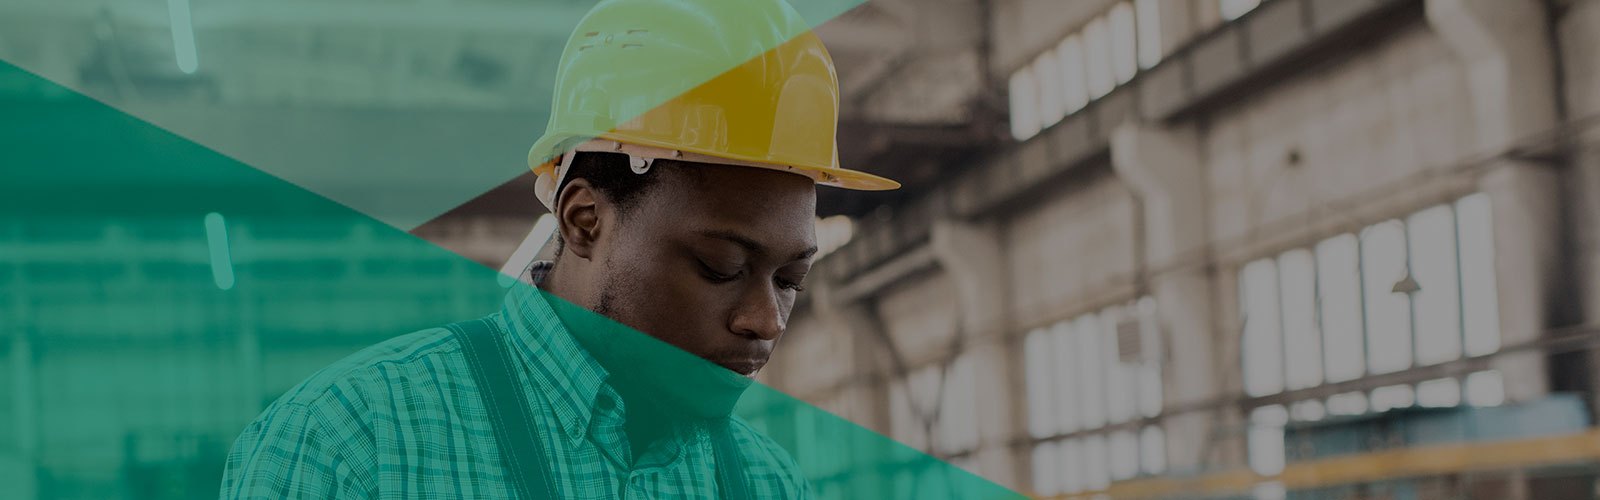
(1146, 249)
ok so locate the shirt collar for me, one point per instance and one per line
(558, 366)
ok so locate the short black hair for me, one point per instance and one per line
(609, 174)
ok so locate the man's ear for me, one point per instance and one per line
(580, 217)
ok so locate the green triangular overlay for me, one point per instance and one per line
(130, 364)
(402, 113)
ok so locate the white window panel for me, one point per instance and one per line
(1074, 74)
(1480, 303)
(1486, 388)
(1263, 341)
(1150, 367)
(1024, 104)
(1124, 42)
(1120, 377)
(1302, 342)
(1047, 72)
(1153, 450)
(1038, 348)
(1438, 303)
(1149, 13)
(1091, 394)
(1046, 469)
(1308, 411)
(958, 407)
(1124, 449)
(1232, 9)
(1096, 474)
(1271, 490)
(1265, 439)
(1349, 403)
(1339, 293)
(1097, 58)
(1388, 314)
(1439, 393)
(1393, 396)
(903, 423)
(1071, 466)
(1068, 404)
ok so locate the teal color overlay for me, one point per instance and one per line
(441, 112)
(126, 371)
(221, 260)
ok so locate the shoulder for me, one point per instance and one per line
(767, 461)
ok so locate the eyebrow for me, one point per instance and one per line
(751, 245)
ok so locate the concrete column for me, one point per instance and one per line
(974, 258)
(1162, 167)
(1504, 47)
(1528, 271)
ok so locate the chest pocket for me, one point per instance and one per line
(520, 448)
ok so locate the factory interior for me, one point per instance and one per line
(1144, 249)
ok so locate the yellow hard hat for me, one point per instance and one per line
(740, 82)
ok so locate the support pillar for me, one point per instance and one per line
(1162, 167)
(1504, 47)
(972, 255)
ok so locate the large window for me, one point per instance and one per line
(1402, 293)
(944, 395)
(1094, 386)
(1088, 64)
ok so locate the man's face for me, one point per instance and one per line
(710, 260)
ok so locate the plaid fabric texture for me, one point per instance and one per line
(403, 420)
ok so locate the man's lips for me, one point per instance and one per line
(743, 366)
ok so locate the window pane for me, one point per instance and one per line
(958, 408)
(1308, 410)
(1263, 348)
(1153, 450)
(1439, 393)
(1265, 439)
(1097, 57)
(1349, 403)
(1124, 42)
(1486, 388)
(1074, 83)
(1124, 455)
(1438, 302)
(1091, 400)
(1339, 294)
(1302, 343)
(1150, 367)
(1393, 396)
(1383, 262)
(1037, 350)
(1071, 466)
(1232, 9)
(1096, 475)
(1149, 13)
(1067, 402)
(1045, 469)
(1024, 98)
(1480, 304)
(1121, 378)
(1047, 72)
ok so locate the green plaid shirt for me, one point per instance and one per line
(403, 420)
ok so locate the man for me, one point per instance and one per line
(685, 210)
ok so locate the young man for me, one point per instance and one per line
(685, 143)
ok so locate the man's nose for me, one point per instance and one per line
(760, 314)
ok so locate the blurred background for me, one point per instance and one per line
(1265, 249)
